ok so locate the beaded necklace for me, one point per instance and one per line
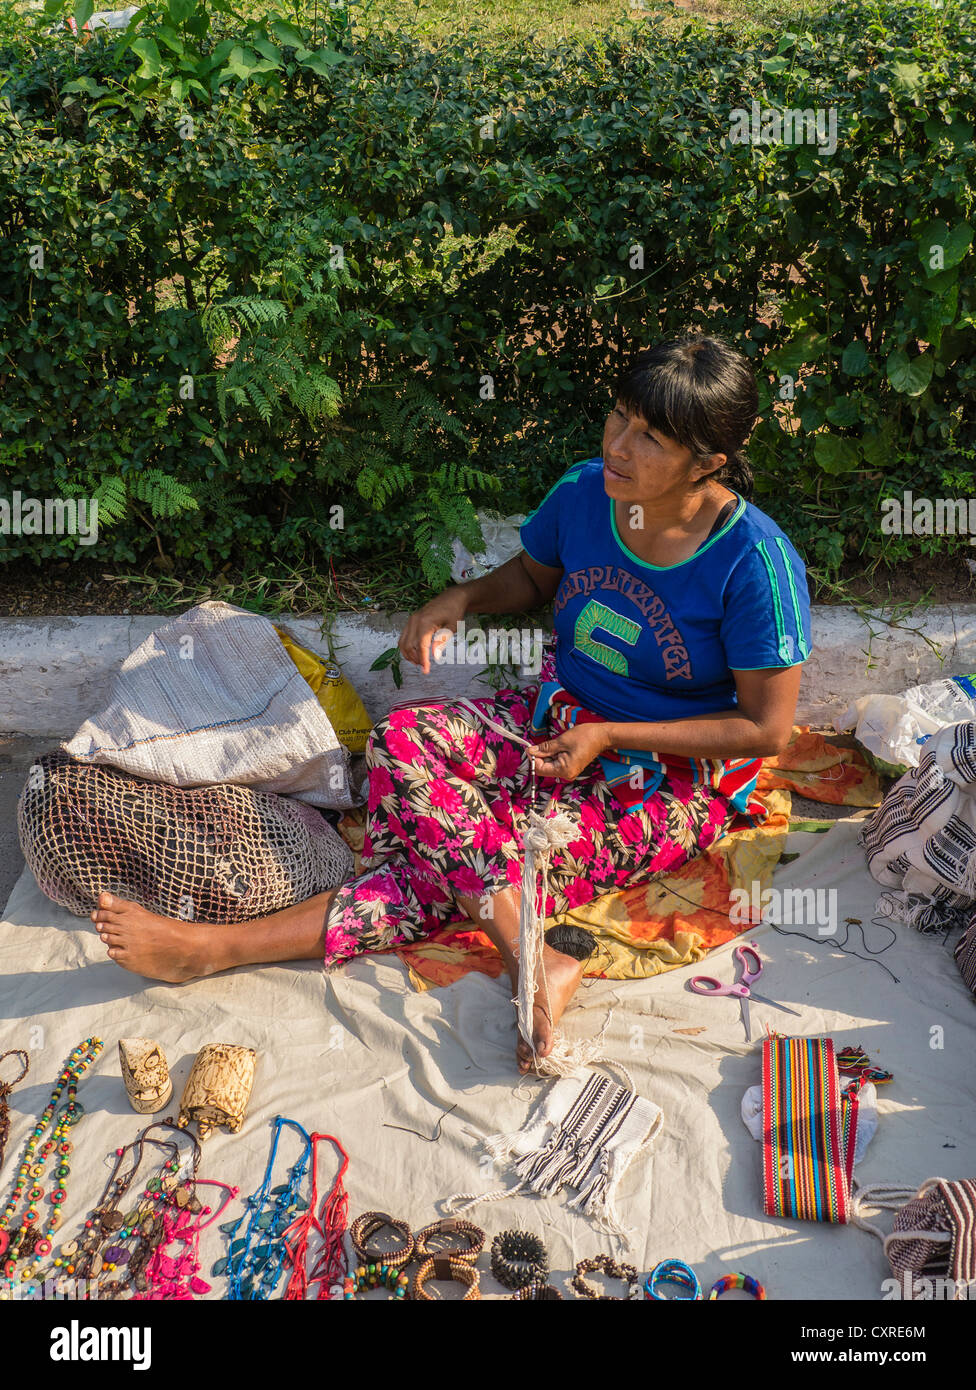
(28, 1241)
(5, 1088)
(144, 1226)
(253, 1270)
(331, 1226)
(175, 1277)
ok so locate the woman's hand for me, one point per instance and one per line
(443, 612)
(566, 755)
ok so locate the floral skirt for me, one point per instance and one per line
(448, 798)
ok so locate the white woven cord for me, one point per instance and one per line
(541, 835)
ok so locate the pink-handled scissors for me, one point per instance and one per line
(752, 967)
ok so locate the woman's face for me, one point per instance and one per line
(641, 464)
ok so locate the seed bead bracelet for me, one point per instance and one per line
(736, 1281)
(447, 1267)
(439, 1236)
(612, 1270)
(365, 1228)
(375, 1276)
(672, 1272)
(28, 1241)
(519, 1258)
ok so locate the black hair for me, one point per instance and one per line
(701, 392)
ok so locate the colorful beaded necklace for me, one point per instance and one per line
(175, 1277)
(28, 1242)
(331, 1226)
(136, 1236)
(253, 1270)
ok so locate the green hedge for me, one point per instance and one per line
(203, 259)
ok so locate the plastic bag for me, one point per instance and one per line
(335, 693)
(501, 534)
(893, 728)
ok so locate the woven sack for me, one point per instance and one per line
(214, 697)
(210, 854)
(965, 954)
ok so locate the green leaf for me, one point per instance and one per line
(835, 453)
(151, 64)
(909, 376)
(958, 132)
(845, 411)
(180, 10)
(906, 76)
(287, 34)
(939, 242)
(323, 61)
(775, 65)
(172, 40)
(854, 359)
(268, 51)
(241, 61)
(82, 12)
(88, 85)
(801, 351)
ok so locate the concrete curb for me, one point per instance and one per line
(56, 671)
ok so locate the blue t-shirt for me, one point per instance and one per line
(641, 642)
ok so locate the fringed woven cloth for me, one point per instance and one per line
(809, 1130)
(582, 1135)
(922, 838)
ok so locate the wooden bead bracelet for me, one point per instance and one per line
(612, 1270)
(537, 1293)
(438, 1238)
(366, 1227)
(519, 1258)
(446, 1267)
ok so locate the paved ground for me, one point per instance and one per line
(16, 756)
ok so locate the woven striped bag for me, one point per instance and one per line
(809, 1130)
(965, 954)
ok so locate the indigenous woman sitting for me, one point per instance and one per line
(682, 621)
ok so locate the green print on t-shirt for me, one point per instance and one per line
(597, 615)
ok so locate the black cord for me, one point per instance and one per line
(841, 945)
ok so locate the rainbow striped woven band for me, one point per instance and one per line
(736, 1281)
(672, 1272)
(808, 1131)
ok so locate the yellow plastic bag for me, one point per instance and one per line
(335, 694)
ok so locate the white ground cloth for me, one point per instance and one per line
(349, 1052)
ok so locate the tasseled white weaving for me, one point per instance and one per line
(540, 837)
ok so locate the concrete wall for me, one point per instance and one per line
(54, 672)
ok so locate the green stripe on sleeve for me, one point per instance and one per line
(777, 602)
(804, 646)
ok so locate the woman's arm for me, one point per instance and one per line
(518, 586)
(759, 728)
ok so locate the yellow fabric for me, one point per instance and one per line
(627, 925)
(335, 693)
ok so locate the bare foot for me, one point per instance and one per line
(161, 948)
(563, 974)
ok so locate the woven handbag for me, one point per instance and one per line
(965, 954)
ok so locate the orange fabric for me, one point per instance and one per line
(822, 771)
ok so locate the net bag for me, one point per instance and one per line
(205, 854)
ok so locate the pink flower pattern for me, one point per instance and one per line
(455, 803)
